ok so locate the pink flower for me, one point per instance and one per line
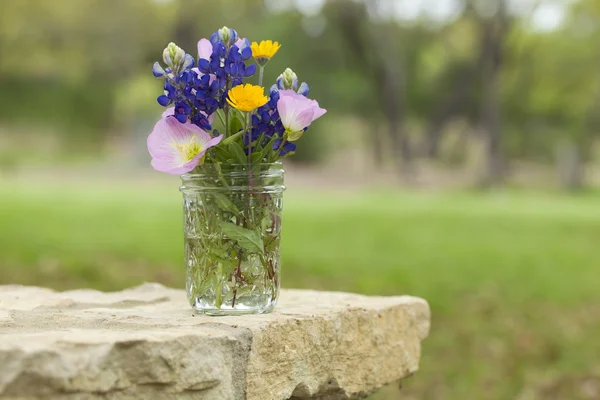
(297, 112)
(205, 49)
(178, 148)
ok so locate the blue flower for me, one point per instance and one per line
(182, 110)
(170, 95)
(303, 89)
(158, 71)
(197, 96)
(201, 120)
(163, 100)
(289, 81)
(287, 148)
(266, 124)
(224, 35)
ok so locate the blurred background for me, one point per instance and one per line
(459, 162)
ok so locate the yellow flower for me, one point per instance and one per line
(264, 51)
(247, 97)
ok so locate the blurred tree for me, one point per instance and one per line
(380, 60)
(531, 92)
(493, 33)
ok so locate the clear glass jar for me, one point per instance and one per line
(232, 226)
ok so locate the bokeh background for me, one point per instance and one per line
(459, 162)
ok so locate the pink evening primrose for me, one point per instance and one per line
(178, 148)
(297, 112)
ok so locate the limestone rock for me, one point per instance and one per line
(146, 343)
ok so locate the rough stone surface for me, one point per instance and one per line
(146, 343)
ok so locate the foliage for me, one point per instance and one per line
(549, 84)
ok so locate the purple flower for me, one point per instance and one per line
(297, 112)
(177, 148)
(286, 149)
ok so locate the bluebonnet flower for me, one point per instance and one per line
(228, 62)
(284, 150)
(225, 35)
(169, 96)
(182, 110)
(198, 93)
(303, 89)
(158, 71)
(288, 80)
(266, 122)
(176, 59)
(187, 90)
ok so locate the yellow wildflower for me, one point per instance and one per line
(264, 51)
(247, 97)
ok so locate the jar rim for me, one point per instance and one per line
(233, 168)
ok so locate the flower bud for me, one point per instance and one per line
(287, 80)
(227, 35)
(173, 56)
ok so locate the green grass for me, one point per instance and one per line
(513, 279)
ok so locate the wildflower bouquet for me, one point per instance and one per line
(226, 138)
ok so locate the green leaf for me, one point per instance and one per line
(233, 138)
(221, 153)
(224, 203)
(259, 143)
(257, 157)
(236, 150)
(220, 254)
(245, 238)
(271, 243)
(236, 125)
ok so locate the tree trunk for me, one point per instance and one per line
(493, 169)
(394, 113)
(371, 50)
(377, 146)
(569, 159)
(450, 106)
(493, 42)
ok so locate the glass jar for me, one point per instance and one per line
(232, 228)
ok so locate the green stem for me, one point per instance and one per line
(219, 299)
(238, 277)
(226, 110)
(249, 140)
(247, 202)
(261, 71)
(220, 174)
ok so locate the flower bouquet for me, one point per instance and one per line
(226, 139)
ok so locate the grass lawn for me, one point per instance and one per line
(513, 279)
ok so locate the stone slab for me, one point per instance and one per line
(146, 342)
